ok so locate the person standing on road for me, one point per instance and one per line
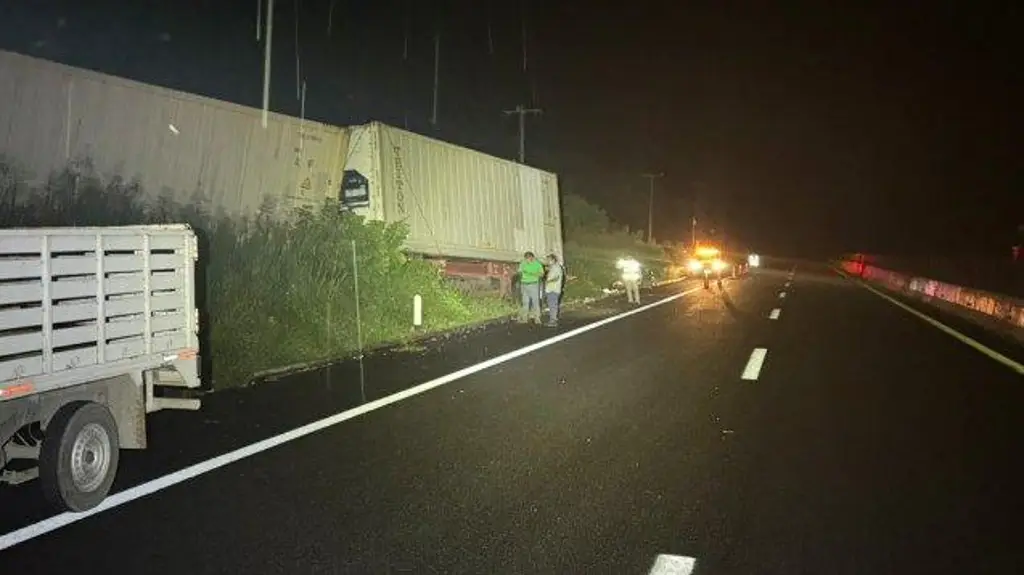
(631, 275)
(553, 288)
(530, 273)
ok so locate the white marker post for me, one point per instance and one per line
(417, 310)
(359, 321)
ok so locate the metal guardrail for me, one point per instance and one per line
(1004, 309)
(1001, 275)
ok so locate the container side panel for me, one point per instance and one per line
(461, 203)
(177, 145)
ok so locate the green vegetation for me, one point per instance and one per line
(275, 293)
(593, 245)
(279, 292)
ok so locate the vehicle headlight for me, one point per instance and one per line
(718, 265)
(694, 265)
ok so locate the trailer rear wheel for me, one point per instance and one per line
(79, 456)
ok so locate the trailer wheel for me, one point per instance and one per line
(79, 456)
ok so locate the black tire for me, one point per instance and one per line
(83, 485)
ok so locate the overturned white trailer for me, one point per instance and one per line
(474, 213)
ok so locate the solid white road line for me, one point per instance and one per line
(753, 369)
(774, 313)
(977, 345)
(57, 521)
(673, 565)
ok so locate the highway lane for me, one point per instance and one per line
(877, 444)
(235, 418)
(868, 442)
(597, 353)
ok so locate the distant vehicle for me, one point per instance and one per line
(95, 325)
(708, 262)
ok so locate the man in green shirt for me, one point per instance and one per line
(530, 273)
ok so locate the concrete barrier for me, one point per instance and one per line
(995, 311)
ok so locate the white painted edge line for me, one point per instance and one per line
(753, 369)
(977, 345)
(45, 526)
(782, 295)
(673, 565)
(775, 313)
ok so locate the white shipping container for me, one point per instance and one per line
(173, 143)
(458, 203)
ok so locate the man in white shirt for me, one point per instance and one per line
(554, 279)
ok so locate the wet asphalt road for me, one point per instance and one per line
(869, 442)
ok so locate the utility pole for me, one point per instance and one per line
(437, 65)
(650, 206)
(522, 111)
(266, 61)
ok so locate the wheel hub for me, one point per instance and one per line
(90, 457)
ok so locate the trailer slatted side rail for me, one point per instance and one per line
(61, 324)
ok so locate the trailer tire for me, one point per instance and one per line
(79, 456)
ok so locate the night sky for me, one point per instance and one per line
(808, 128)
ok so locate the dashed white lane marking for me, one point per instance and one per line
(57, 521)
(788, 284)
(673, 565)
(977, 345)
(782, 295)
(775, 313)
(753, 369)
